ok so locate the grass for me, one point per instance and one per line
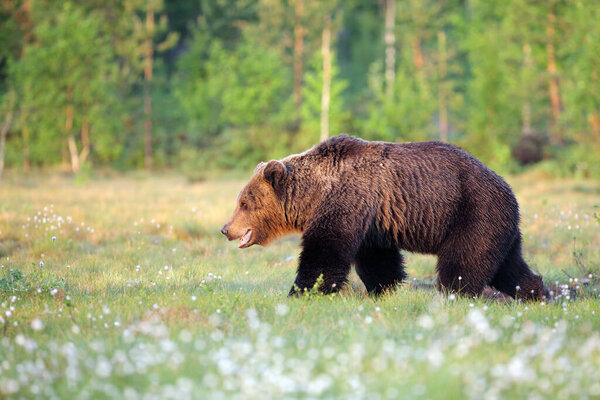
(123, 287)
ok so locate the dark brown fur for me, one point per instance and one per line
(358, 202)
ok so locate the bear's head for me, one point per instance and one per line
(259, 216)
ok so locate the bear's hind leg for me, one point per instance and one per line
(460, 278)
(380, 269)
(465, 270)
(515, 278)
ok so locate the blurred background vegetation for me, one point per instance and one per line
(198, 85)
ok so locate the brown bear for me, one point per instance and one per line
(359, 202)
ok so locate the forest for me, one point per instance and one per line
(196, 85)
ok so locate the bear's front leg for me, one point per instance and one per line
(330, 257)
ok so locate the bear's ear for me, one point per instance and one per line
(275, 173)
(259, 166)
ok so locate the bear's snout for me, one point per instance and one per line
(232, 234)
(224, 230)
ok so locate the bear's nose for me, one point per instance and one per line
(224, 230)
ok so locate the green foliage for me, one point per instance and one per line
(339, 116)
(244, 148)
(15, 282)
(69, 66)
(574, 161)
(407, 115)
(85, 173)
(11, 38)
(194, 164)
(360, 47)
(492, 115)
(235, 101)
(223, 81)
(581, 59)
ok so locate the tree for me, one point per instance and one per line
(390, 42)
(255, 78)
(9, 112)
(326, 91)
(323, 82)
(294, 29)
(241, 95)
(551, 67)
(15, 32)
(406, 109)
(299, 32)
(147, 32)
(443, 85)
(313, 111)
(490, 113)
(61, 74)
(523, 102)
(582, 69)
(14, 26)
(148, 64)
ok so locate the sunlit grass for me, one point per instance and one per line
(123, 287)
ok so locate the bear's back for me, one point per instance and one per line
(419, 190)
(431, 158)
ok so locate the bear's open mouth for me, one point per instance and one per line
(244, 240)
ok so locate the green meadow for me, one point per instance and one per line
(121, 286)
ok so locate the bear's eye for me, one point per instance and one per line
(243, 205)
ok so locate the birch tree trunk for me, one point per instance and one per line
(147, 88)
(74, 154)
(298, 54)
(552, 72)
(24, 19)
(594, 119)
(85, 140)
(390, 49)
(326, 92)
(442, 87)
(71, 139)
(26, 152)
(3, 133)
(526, 129)
(418, 59)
